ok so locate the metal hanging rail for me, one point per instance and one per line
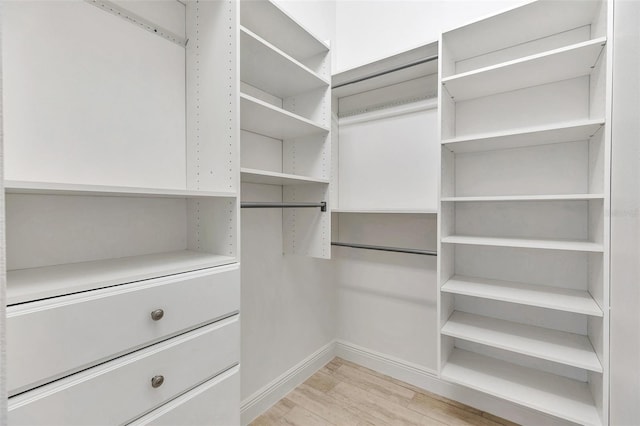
(263, 205)
(389, 71)
(384, 248)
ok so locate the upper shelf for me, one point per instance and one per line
(275, 178)
(555, 65)
(268, 68)
(520, 24)
(261, 117)
(24, 285)
(270, 22)
(53, 188)
(517, 138)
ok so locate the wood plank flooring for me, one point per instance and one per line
(343, 394)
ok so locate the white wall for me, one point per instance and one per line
(373, 29)
(625, 217)
(288, 302)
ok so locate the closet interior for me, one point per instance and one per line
(458, 192)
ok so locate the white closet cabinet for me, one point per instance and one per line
(524, 227)
(285, 107)
(121, 129)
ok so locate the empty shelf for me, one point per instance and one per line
(557, 346)
(273, 71)
(549, 393)
(387, 211)
(561, 299)
(53, 188)
(554, 197)
(270, 22)
(555, 65)
(525, 243)
(24, 285)
(275, 178)
(261, 117)
(517, 138)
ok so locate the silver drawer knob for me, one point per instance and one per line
(157, 314)
(157, 381)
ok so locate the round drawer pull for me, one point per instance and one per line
(157, 314)
(157, 381)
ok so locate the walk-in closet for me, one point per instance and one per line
(320, 212)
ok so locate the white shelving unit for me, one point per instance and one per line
(285, 119)
(120, 177)
(524, 233)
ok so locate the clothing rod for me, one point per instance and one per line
(262, 205)
(383, 248)
(389, 71)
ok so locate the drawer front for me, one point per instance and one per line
(214, 403)
(121, 390)
(50, 339)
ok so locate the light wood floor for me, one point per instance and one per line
(344, 393)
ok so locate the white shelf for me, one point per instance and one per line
(266, 67)
(270, 22)
(555, 65)
(557, 346)
(525, 243)
(54, 188)
(261, 117)
(24, 285)
(275, 178)
(385, 211)
(520, 24)
(576, 301)
(555, 197)
(517, 138)
(549, 393)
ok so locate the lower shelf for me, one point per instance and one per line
(25, 285)
(545, 392)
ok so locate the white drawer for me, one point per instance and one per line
(214, 403)
(53, 338)
(121, 390)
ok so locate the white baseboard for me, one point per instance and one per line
(428, 380)
(277, 389)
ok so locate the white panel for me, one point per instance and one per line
(548, 169)
(551, 103)
(212, 103)
(169, 14)
(307, 231)
(551, 219)
(213, 226)
(390, 163)
(313, 105)
(381, 295)
(308, 156)
(90, 98)
(260, 152)
(545, 267)
(49, 230)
